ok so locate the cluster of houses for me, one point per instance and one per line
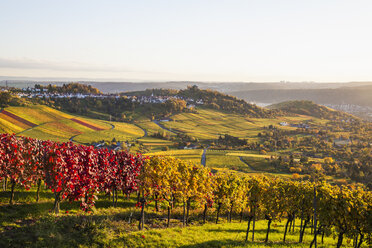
(44, 93)
(161, 99)
(299, 125)
(116, 146)
(59, 95)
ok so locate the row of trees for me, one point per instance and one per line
(345, 211)
(79, 173)
(70, 171)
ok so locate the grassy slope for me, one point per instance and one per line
(8, 125)
(209, 124)
(220, 160)
(31, 224)
(205, 124)
(119, 131)
(309, 108)
(56, 125)
(191, 155)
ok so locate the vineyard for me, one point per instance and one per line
(75, 173)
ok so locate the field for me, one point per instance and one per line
(150, 127)
(51, 124)
(30, 224)
(209, 124)
(191, 155)
(119, 131)
(38, 121)
(221, 160)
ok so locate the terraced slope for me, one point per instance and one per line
(209, 124)
(39, 121)
(118, 130)
(311, 109)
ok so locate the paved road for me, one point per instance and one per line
(72, 138)
(1, 110)
(250, 167)
(161, 126)
(112, 125)
(144, 130)
(204, 157)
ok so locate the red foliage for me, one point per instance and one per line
(72, 172)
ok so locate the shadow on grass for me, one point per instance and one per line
(25, 196)
(68, 231)
(244, 230)
(25, 205)
(231, 243)
(22, 211)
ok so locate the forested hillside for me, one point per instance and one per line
(211, 99)
(311, 109)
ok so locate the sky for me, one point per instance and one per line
(197, 40)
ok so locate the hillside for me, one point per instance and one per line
(226, 87)
(209, 99)
(73, 88)
(358, 95)
(303, 129)
(309, 108)
(40, 121)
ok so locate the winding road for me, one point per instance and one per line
(144, 130)
(112, 125)
(162, 127)
(72, 137)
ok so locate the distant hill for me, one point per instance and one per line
(309, 108)
(73, 88)
(211, 99)
(8, 99)
(226, 87)
(357, 95)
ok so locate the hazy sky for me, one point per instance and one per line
(262, 40)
